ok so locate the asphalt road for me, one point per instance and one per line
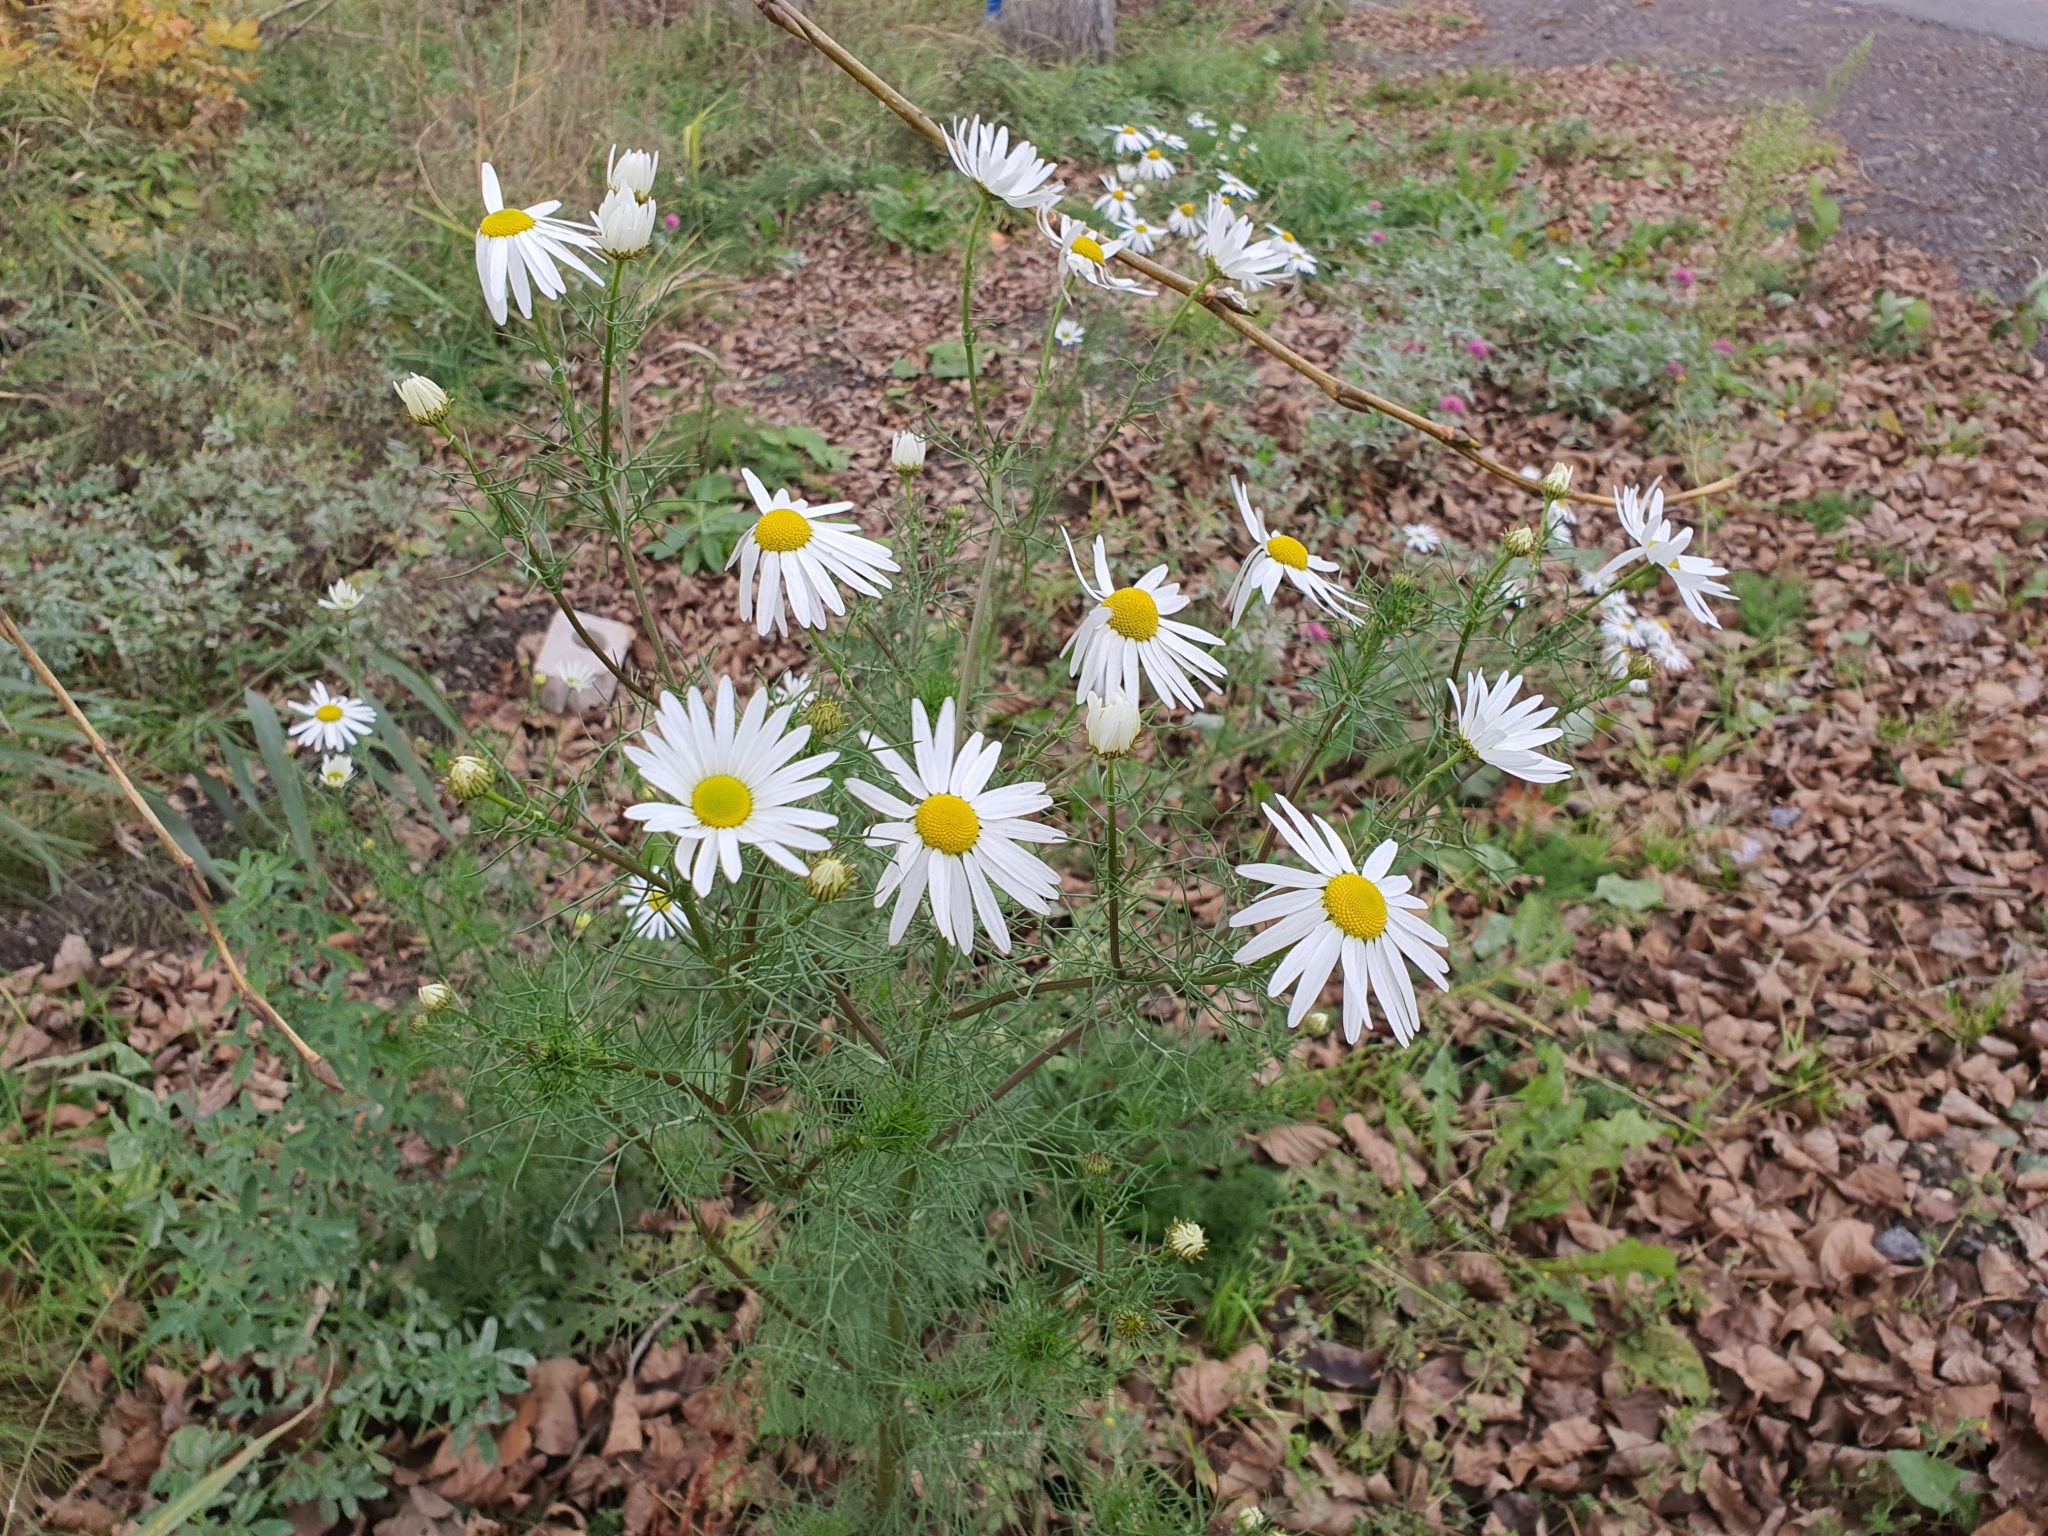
(1949, 121)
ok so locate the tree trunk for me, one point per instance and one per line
(1064, 29)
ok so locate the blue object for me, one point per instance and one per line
(995, 7)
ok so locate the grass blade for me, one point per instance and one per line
(284, 776)
(210, 1487)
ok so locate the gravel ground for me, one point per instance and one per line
(1949, 122)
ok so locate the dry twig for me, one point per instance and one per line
(195, 882)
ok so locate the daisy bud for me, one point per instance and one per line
(1248, 1520)
(631, 172)
(1317, 1024)
(906, 453)
(469, 777)
(425, 401)
(825, 715)
(1131, 1324)
(436, 997)
(831, 877)
(1558, 483)
(1521, 543)
(1097, 1165)
(1641, 667)
(336, 771)
(1112, 724)
(624, 224)
(1185, 1240)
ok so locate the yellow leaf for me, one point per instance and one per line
(240, 35)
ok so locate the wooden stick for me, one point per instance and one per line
(1224, 306)
(195, 882)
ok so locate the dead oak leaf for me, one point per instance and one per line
(1207, 1389)
(1789, 1380)
(1296, 1146)
(1847, 1248)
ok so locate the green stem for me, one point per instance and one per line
(967, 332)
(1115, 881)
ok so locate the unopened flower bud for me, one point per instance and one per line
(1185, 1240)
(1097, 1165)
(1112, 724)
(1317, 1024)
(1249, 1520)
(825, 715)
(469, 777)
(1522, 543)
(1641, 667)
(436, 997)
(425, 401)
(831, 877)
(1131, 1324)
(625, 224)
(631, 172)
(906, 453)
(1557, 483)
(582, 921)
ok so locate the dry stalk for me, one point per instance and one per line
(195, 882)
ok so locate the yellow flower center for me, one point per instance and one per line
(1132, 613)
(1291, 553)
(1087, 247)
(1188, 209)
(1287, 235)
(948, 823)
(721, 801)
(1672, 564)
(328, 713)
(1356, 906)
(505, 223)
(782, 530)
(660, 901)
(1153, 154)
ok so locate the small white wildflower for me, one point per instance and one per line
(425, 401)
(906, 453)
(631, 172)
(336, 771)
(625, 224)
(1112, 723)
(333, 722)
(1185, 1240)
(343, 596)
(1069, 333)
(436, 997)
(1421, 538)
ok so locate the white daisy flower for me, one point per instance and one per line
(1118, 201)
(956, 839)
(735, 779)
(1421, 538)
(1505, 734)
(517, 251)
(1278, 557)
(1654, 637)
(1069, 333)
(1087, 255)
(1201, 122)
(1236, 187)
(1129, 139)
(1301, 262)
(425, 401)
(1014, 173)
(1160, 137)
(1153, 165)
(1185, 220)
(651, 913)
(790, 688)
(1663, 544)
(334, 722)
(799, 555)
(336, 771)
(1238, 130)
(1126, 170)
(632, 172)
(1231, 247)
(575, 676)
(1338, 910)
(1140, 237)
(343, 596)
(1128, 632)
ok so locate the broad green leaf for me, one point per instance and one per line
(1928, 1480)
(415, 773)
(1630, 1256)
(1629, 895)
(428, 695)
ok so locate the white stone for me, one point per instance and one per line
(561, 650)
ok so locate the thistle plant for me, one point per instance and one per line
(912, 974)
